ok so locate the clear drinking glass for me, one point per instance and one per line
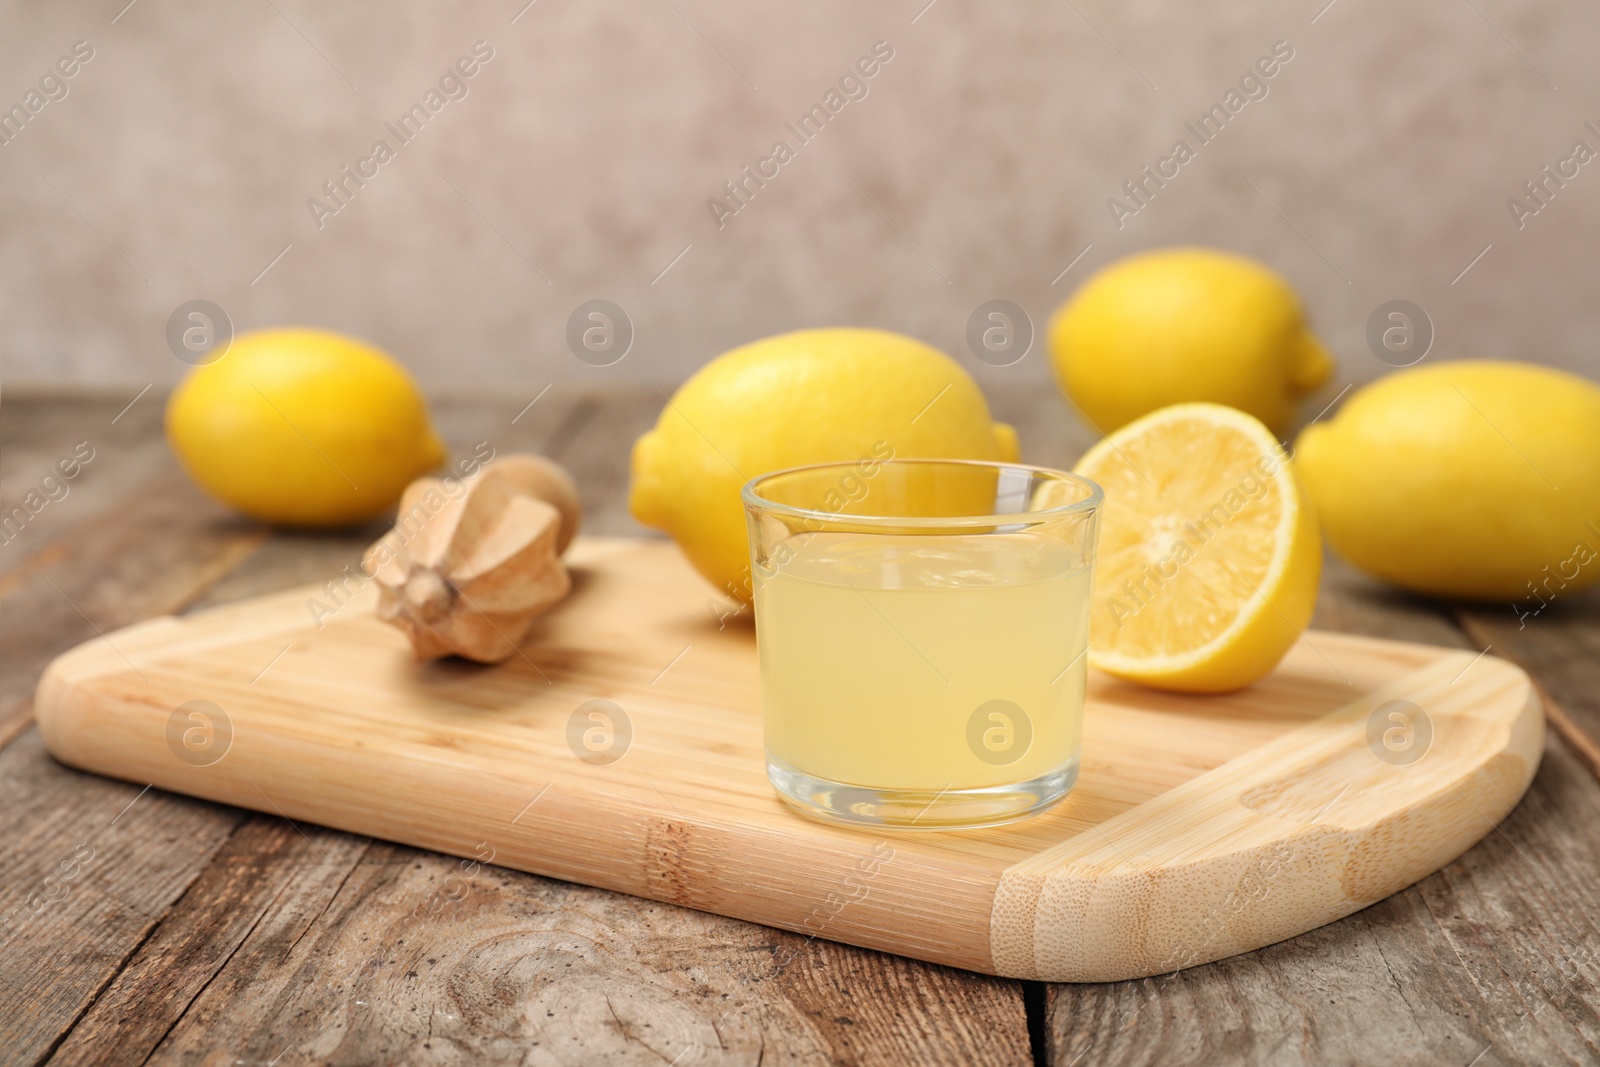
(922, 627)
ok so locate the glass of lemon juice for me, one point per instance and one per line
(922, 627)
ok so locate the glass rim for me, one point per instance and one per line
(1090, 503)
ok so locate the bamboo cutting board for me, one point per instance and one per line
(1200, 826)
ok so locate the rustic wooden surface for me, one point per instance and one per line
(138, 926)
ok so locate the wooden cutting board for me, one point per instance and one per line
(1200, 826)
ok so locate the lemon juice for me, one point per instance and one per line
(923, 666)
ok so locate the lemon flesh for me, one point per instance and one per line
(1180, 325)
(1209, 557)
(302, 427)
(813, 396)
(1475, 479)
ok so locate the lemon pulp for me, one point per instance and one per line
(1209, 557)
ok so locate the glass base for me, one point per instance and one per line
(912, 809)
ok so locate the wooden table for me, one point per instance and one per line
(138, 926)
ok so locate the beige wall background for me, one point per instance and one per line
(579, 165)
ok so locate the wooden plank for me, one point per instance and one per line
(87, 874)
(405, 956)
(268, 866)
(91, 864)
(1495, 952)
(66, 536)
(153, 551)
(1561, 647)
(1496, 956)
(40, 432)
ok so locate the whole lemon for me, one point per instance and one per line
(1475, 479)
(304, 427)
(813, 396)
(1180, 325)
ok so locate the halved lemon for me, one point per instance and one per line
(1209, 552)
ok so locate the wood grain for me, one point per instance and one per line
(86, 875)
(385, 954)
(1495, 956)
(1561, 645)
(160, 546)
(1293, 834)
(91, 864)
(266, 865)
(41, 432)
